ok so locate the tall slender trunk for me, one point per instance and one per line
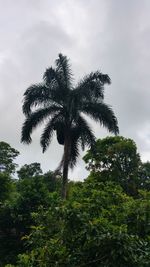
(67, 146)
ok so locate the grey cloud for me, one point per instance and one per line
(109, 35)
(121, 47)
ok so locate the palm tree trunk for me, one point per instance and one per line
(67, 146)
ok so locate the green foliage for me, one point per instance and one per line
(6, 186)
(144, 176)
(53, 181)
(139, 222)
(16, 216)
(33, 193)
(115, 159)
(101, 224)
(92, 228)
(29, 170)
(7, 155)
(10, 234)
(20, 200)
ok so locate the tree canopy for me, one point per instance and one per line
(115, 159)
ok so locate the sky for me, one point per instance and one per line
(112, 36)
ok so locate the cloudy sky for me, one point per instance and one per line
(109, 35)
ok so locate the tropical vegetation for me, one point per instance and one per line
(105, 220)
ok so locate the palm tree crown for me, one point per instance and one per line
(61, 106)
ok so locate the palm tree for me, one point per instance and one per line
(62, 106)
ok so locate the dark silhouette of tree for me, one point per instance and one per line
(61, 106)
(7, 157)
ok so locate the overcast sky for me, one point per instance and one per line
(109, 35)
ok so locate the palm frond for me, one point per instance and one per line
(92, 86)
(47, 135)
(74, 153)
(35, 95)
(64, 70)
(49, 130)
(86, 136)
(35, 119)
(52, 79)
(102, 113)
(81, 134)
(59, 80)
(49, 76)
